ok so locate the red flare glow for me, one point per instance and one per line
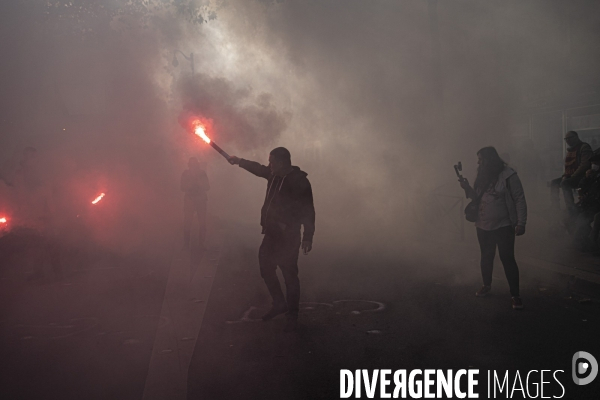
(200, 130)
(3, 220)
(97, 199)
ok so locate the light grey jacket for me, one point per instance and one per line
(515, 196)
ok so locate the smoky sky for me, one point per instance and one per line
(376, 100)
(239, 116)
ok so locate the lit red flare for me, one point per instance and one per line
(97, 199)
(200, 129)
(4, 227)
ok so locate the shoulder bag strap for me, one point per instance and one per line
(508, 187)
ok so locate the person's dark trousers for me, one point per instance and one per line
(192, 205)
(53, 249)
(582, 227)
(584, 233)
(44, 247)
(281, 250)
(504, 239)
(567, 187)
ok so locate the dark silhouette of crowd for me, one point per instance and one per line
(580, 185)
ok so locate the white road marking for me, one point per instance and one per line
(183, 308)
(380, 307)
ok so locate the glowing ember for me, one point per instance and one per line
(2, 220)
(98, 198)
(200, 130)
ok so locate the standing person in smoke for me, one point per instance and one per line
(194, 184)
(502, 215)
(589, 208)
(35, 215)
(576, 163)
(288, 205)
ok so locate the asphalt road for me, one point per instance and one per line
(91, 335)
(364, 309)
(86, 336)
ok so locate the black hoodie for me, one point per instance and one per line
(288, 202)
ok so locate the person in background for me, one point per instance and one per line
(594, 234)
(194, 185)
(576, 163)
(588, 207)
(502, 215)
(35, 216)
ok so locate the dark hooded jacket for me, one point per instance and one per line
(194, 183)
(577, 160)
(288, 202)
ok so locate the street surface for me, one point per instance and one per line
(164, 325)
(366, 310)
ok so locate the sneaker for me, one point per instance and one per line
(484, 291)
(291, 323)
(517, 303)
(274, 311)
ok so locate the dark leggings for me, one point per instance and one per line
(567, 188)
(192, 205)
(504, 238)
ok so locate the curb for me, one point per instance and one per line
(575, 279)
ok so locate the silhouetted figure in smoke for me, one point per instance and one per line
(288, 205)
(502, 215)
(194, 183)
(34, 214)
(588, 208)
(576, 163)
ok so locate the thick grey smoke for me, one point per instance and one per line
(239, 116)
(375, 99)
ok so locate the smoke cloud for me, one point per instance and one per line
(376, 100)
(239, 116)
